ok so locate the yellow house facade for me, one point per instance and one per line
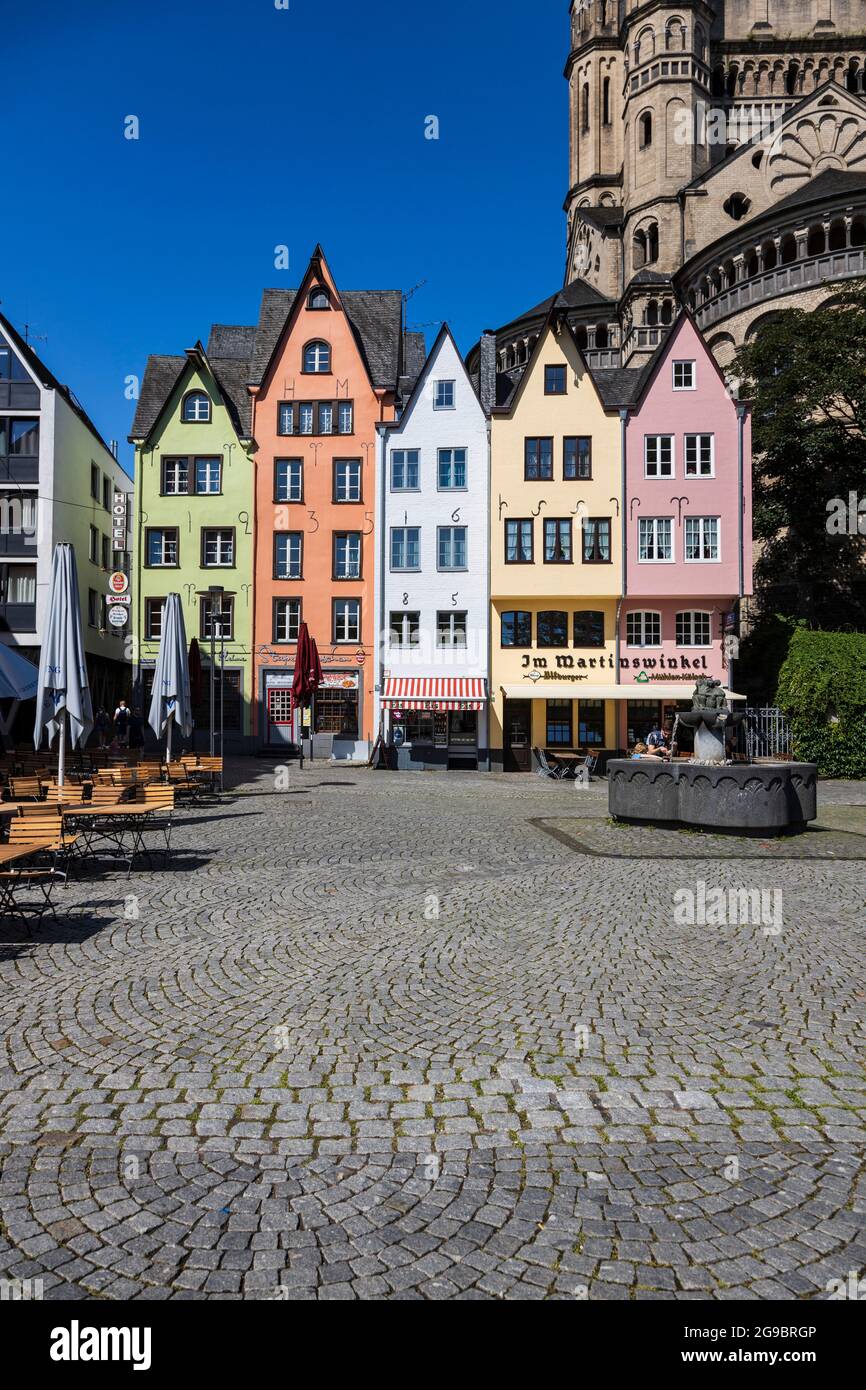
(556, 558)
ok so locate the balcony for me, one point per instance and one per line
(17, 617)
(781, 280)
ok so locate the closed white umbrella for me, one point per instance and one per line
(171, 701)
(62, 689)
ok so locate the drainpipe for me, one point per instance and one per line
(489, 612)
(623, 531)
(741, 421)
(381, 453)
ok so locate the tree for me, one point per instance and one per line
(806, 377)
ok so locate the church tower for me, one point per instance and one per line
(666, 98)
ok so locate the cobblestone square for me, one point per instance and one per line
(439, 1036)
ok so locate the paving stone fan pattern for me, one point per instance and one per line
(382, 1035)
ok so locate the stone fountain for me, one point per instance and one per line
(710, 791)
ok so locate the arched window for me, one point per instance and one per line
(317, 357)
(700, 43)
(652, 243)
(645, 130)
(643, 628)
(605, 101)
(589, 628)
(319, 298)
(751, 264)
(770, 257)
(580, 337)
(852, 81)
(639, 249)
(668, 311)
(791, 79)
(694, 628)
(584, 106)
(858, 232)
(815, 243)
(717, 82)
(837, 236)
(675, 35)
(652, 314)
(601, 335)
(788, 248)
(196, 408)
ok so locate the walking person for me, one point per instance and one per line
(121, 723)
(103, 724)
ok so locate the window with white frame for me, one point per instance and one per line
(443, 395)
(702, 538)
(693, 629)
(287, 619)
(452, 470)
(655, 538)
(405, 470)
(175, 477)
(684, 376)
(306, 416)
(288, 480)
(451, 629)
(347, 620)
(405, 547)
(347, 480)
(345, 417)
(218, 548)
(699, 455)
(217, 618)
(153, 618)
(196, 408)
(288, 554)
(161, 543)
(658, 456)
(643, 629)
(347, 554)
(405, 628)
(208, 475)
(317, 357)
(451, 547)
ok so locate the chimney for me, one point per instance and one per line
(487, 370)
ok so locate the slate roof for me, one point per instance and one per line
(231, 340)
(577, 295)
(161, 377)
(601, 217)
(48, 379)
(650, 277)
(620, 386)
(414, 356)
(832, 183)
(376, 318)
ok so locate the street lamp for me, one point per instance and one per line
(215, 593)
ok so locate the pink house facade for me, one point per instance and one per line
(688, 530)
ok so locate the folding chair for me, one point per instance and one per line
(545, 767)
(160, 800)
(13, 882)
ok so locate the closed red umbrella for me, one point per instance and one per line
(302, 688)
(316, 676)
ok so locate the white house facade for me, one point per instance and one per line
(432, 574)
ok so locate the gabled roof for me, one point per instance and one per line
(231, 340)
(163, 374)
(556, 319)
(376, 319)
(647, 373)
(620, 386)
(443, 335)
(49, 380)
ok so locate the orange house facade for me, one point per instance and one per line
(327, 367)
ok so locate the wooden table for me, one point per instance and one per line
(120, 818)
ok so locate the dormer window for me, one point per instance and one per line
(319, 298)
(317, 357)
(196, 408)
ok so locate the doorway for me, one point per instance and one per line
(517, 736)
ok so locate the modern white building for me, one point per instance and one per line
(59, 481)
(432, 572)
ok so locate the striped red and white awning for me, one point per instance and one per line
(434, 692)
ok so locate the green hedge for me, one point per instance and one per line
(822, 688)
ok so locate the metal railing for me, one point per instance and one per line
(768, 732)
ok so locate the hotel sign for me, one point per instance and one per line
(118, 522)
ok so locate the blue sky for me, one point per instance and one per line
(261, 127)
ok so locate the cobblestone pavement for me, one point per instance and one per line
(383, 1035)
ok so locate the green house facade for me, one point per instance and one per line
(194, 514)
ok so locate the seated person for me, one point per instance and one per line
(641, 750)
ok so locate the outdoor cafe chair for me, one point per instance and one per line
(159, 799)
(545, 767)
(25, 788)
(14, 883)
(39, 828)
